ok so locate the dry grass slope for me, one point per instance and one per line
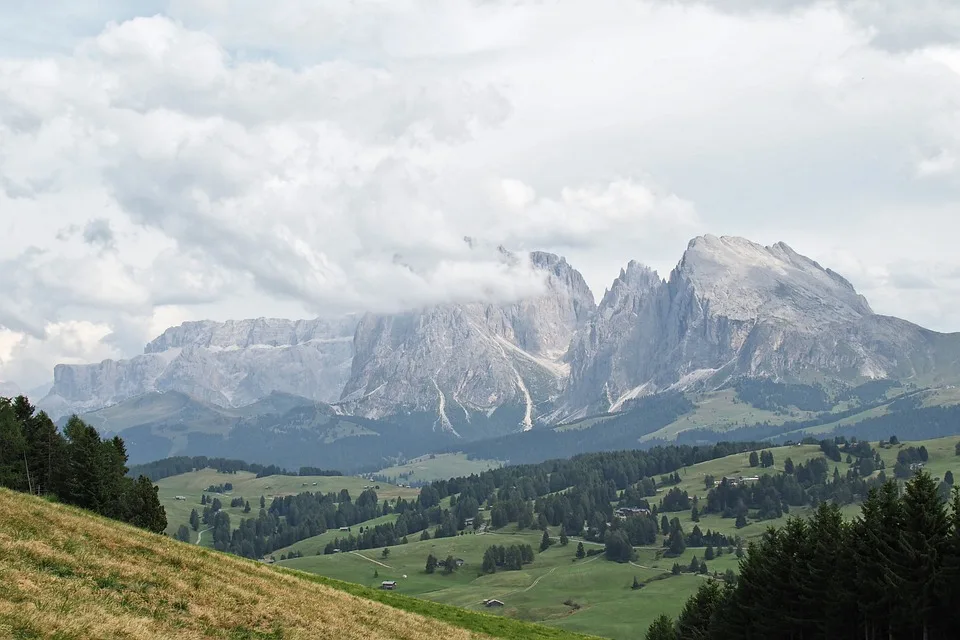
(66, 574)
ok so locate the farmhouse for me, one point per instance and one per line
(389, 585)
(344, 528)
(628, 512)
(180, 497)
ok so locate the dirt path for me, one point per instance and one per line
(200, 534)
(371, 559)
(537, 581)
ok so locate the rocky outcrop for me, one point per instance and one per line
(228, 364)
(735, 308)
(477, 368)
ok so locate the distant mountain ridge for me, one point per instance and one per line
(230, 363)
(731, 309)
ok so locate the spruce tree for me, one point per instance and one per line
(580, 552)
(661, 629)
(545, 541)
(194, 519)
(924, 542)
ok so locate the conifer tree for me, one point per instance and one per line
(661, 629)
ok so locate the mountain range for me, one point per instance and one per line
(731, 310)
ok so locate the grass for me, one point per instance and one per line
(192, 485)
(68, 574)
(605, 603)
(720, 411)
(441, 466)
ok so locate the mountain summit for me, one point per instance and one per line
(735, 308)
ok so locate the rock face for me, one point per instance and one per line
(735, 308)
(463, 363)
(228, 364)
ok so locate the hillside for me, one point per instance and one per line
(65, 573)
(594, 594)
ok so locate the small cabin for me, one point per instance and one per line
(344, 528)
(181, 498)
(459, 562)
(492, 603)
(388, 585)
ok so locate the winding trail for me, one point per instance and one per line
(356, 553)
(200, 534)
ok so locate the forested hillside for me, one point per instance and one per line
(894, 572)
(75, 467)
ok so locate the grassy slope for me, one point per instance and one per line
(441, 466)
(193, 485)
(717, 410)
(68, 574)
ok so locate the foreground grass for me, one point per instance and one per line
(67, 574)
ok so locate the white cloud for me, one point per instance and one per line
(212, 159)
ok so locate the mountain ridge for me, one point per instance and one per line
(731, 308)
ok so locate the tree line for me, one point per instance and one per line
(76, 467)
(176, 465)
(894, 572)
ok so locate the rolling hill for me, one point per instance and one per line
(65, 573)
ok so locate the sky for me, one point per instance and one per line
(164, 161)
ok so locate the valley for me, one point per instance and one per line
(591, 594)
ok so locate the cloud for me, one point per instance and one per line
(212, 159)
(98, 233)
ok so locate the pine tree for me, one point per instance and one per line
(424, 536)
(144, 506)
(545, 541)
(661, 629)
(676, 544)
(431, 563)
(194, 519)
(183, 533)
(694, 514)
(754, 459)
(246, 507)
(708, 554)
(489, 561)
(580, 552)
(925, 534)
(563, 538)
(263, 502)
(636, 584)
(788, 466)
(697, 614)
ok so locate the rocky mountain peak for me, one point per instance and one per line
(740, 279)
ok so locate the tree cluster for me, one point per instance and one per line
(75, 467)
(894, 572)
(512, 558)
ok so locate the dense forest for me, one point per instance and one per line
(590, 484)
(75, 467)
(894, 572)
(176, 465)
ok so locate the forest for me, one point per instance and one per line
(75, 467)
(176, 465)
(894, 572)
